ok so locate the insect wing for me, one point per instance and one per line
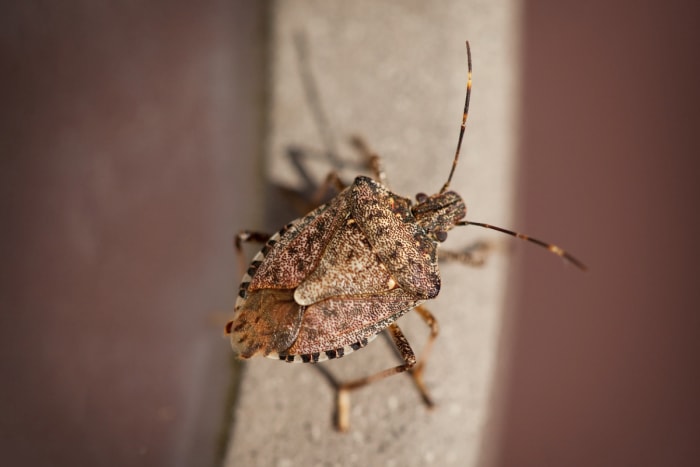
(290, 256)
(343, 324)
(268, 321)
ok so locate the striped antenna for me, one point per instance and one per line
(553, 248)
(464, 119)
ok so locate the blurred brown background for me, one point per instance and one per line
(130, 138)
(610, 160)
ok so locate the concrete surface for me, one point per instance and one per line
(394, 73)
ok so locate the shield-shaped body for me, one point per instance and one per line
(330, 281)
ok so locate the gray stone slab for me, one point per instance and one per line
(394, 73)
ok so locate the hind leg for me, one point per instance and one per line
(342, 415)
(417, 371)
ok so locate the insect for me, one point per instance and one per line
(329, 282)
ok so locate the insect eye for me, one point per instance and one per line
(440, 235)
(421, 197)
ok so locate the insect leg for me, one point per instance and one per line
(473, 255)
(247, 236)
(332, 181)
(343, 390)
(417, 371)
(371, 159)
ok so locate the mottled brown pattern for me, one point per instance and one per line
(439, 213)
(336, 277)
(349, 268)
(299, 250)
(343, 321)
(407, 251)
(268, 321)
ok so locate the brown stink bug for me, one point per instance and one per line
(327, 283)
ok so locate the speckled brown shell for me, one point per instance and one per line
(328, 282)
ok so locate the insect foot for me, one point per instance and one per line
(327, 283)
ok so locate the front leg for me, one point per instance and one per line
(371, 159)
(331, 182)
(473, 255)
